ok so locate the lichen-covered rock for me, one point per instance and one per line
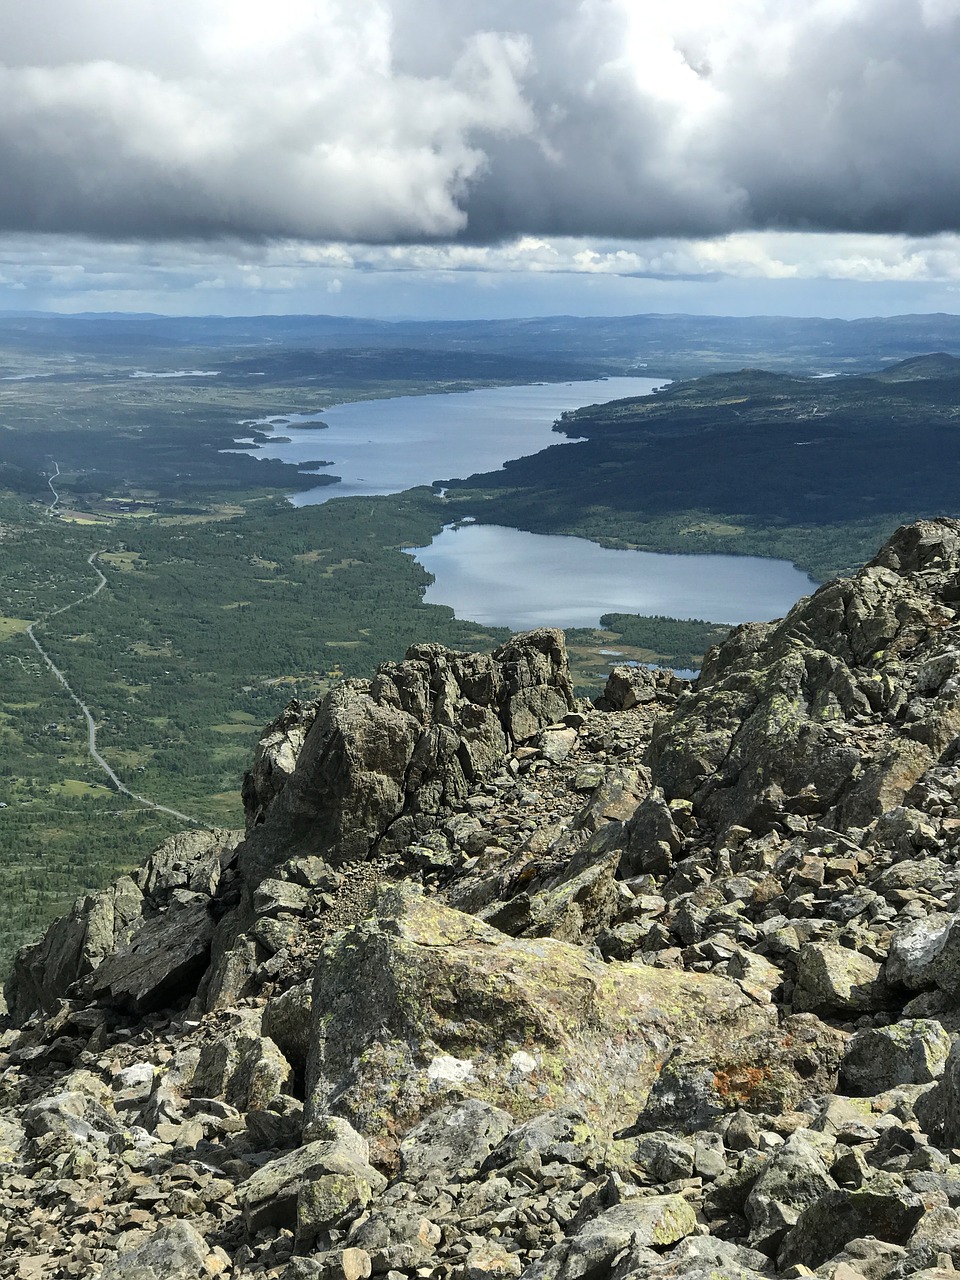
(654, 1221)
(274, 1194)
(794, 1178)
(454, 1141)
(832, 979)
(883, 1207)
(768, 1072)
(939, 1109)
(775, 712)
(286, 1020)
(243, 1067)
(422, 998)
(927, 954)
(176, 1252)
(912, 1051)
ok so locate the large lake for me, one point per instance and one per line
(500, 576)
(507, 578)
(386, 446)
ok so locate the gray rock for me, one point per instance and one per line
(241, 1066)
(911, 1051)
(176, 1251)
(104, 923)
(884, 1207)
(937, 1233)
(553, 1135)
(868, 1257)
(162, 963)
(279, 1193)
(664, 1157)
(453, 1142)
(655, 1221)
(794, 1177)
(383, 755)
(276, 897)
(277, 1126)
(912, 949)
(418, 973)
(651, 838)
(74, 1118)
(939, 1109)
(276, 758)
(556, 744)
(286, 1020)
(580, 904)
(832, 979)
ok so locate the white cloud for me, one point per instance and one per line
(391, 121)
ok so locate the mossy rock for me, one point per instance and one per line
(421, 1003)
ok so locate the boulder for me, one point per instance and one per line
(176, 1251)
(927, 954)
(453, 1142)
(421, 999)
(939, 1109)
(310, 1189)
(833, 979)
(911, 1051)
(162, 963)
(241, 1066)
(884, 1207)
(650, 1222)
(794, 1178)
(767, 1072)
(286, 1020)
(99, 926)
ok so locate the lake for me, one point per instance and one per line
(503, 577)
(386, 446)
(508, 578)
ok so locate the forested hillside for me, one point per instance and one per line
(816, 470)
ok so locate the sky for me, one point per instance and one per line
(460, 158)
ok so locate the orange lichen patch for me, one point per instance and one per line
(739, 1084)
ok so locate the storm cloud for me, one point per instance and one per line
(402, 121)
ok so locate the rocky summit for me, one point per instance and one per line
(499, 984)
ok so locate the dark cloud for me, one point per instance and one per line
(392, 121)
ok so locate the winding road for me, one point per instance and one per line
(52, 509)
(91, 723)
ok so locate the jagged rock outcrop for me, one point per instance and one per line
(502, 985)
(144, 940)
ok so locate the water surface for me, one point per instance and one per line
(508, 578)
(386, 446)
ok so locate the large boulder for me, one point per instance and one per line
(176, 1251)
(911, 1051)
(421, 1000)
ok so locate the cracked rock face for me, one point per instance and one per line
(499, 984)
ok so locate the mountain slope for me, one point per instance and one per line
(496, 983)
